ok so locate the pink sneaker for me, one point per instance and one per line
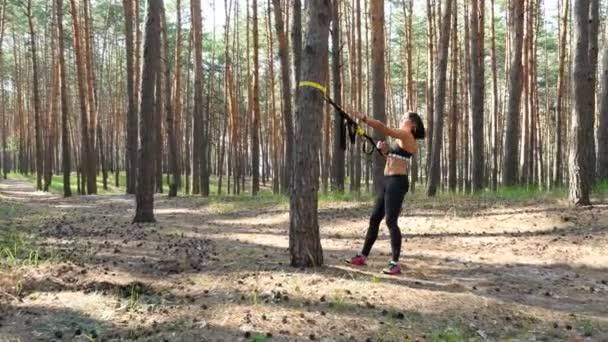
(392, 269)
(358, 260)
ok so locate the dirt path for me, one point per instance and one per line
(488, 271)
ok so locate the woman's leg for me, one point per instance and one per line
(374, 224)
(396, 188)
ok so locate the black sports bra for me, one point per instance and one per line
(397, 152)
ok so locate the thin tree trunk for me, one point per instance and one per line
(430, 84)
(338, 160)
(85, 149)
(439, 101)
(582, 111)
(5, 158)
(132, 126)
(197, 141)
(378, 86)
(296, 39)
(286, 93)
(90, 87)
(145, 187)
(561, 83)
(509, 175)
(594, 27)
(602, 130)
(255, 127)
(37, 123)
(494, 104)
(477, 93)
(169, 117)
(453, 113)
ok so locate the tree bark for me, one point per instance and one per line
(453, 113)
(4, 161)
(338, 160)
(132, 126)
(509, 174)
(561, 82)
(85, 149)
(90, 87)
(439, 101)
(582, 111)
(304, 238)
(494, 104)
(296, 39)
(286, 93)
(594, 27)
(255, 127)
(169, 114)
(477, 93)
(378, 86)
(602, 130)
(145, 187)
(430, 84)
(37, 123)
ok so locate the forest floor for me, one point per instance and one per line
(479, 269)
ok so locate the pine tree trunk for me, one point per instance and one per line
(53, 92)
(85, 149)
(439, 101)
(602, 130)
(145, 186)
(304, 238)
(5, 159)
(477, 93)
(453, 113)
(255, 127)
(198, 128)
(272, 112)
(594, 27)
(132, 125)
(177, 100)
(378, 86)
(430, 84)
(296, 40)
(285, 92)
(582, 111)
(510, 153)
(90, 87)
(495, 137)
(37, 120)
(169, 117)
(338, 160)
(561, 83)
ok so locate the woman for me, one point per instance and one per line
(396, 183)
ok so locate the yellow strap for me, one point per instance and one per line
(315, 85)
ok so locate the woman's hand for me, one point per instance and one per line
(359, 115)
(382, 146)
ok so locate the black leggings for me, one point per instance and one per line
(388, 204)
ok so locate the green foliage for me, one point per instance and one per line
(452, 333)
(259, 338)
(57, 183)
(602, 187)
(17, 248)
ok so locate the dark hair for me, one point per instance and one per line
(418, 132)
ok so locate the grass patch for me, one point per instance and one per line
(56, 185)
(602, 187)
(18, 248)
(452, 333)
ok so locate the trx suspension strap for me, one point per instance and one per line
(347, 123)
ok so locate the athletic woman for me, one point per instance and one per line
(396, 183)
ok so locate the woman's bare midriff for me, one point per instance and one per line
(395, 167)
